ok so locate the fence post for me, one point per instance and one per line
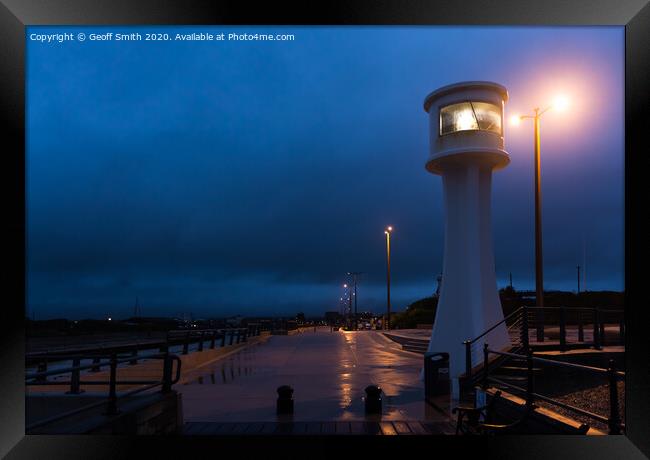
(201, 337)
(134, 354)
(214, 334)
(562, 329)
(165, 347)
(232, 336)
(485, 366)
(468, 359)
(111, 408)
(95, 368)
(75, 387)
(581, 331)
(540, 323)
(614, 421)
(524, 328)
(42, 367)
(223, 338)
(531, 381)
(238, 335)
(596, 330)
(186, 344)
(167, 373)
(621, 330)
(603, 339)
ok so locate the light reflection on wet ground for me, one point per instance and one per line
(328, 371)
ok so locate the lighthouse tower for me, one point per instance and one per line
(466, 145)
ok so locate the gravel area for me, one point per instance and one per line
(595, 399)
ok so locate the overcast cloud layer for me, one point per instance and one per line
(249, 177)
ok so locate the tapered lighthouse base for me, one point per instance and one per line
(469, 301)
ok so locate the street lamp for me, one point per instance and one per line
(387, 232)
(354, 279)
(349, 303)
(560, 103)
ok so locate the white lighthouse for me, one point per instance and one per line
(466, 145)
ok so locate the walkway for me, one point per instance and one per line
(328, 371)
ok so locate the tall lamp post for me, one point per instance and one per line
(560, 103)
(388, 231)
(354, 280)
(349, 304)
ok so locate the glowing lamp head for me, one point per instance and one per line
(560, 103)
(345, 285)
(515, 120)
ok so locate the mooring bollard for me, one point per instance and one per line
(373, 399)
(285, 400)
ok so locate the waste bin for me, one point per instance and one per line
(436, 374)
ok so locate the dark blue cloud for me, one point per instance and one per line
(250, 176)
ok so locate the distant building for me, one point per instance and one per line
(333, 317)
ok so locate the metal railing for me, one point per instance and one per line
(175, 338)
(615, 425)
(111, 361)
(520, 322)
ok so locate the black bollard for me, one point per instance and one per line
(285, 400)
(373, 399)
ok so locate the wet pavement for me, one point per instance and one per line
(328, 372)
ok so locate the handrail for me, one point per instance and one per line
(178, 337)
(111, 405)
(67, 370)
(558, 363)
(613, 376)
(497, 324)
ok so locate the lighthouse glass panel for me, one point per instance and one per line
(470, 116)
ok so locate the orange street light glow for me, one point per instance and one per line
(515, 120)
(560, 103)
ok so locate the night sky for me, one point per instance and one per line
(249, 177)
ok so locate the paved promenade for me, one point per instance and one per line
(328, 371)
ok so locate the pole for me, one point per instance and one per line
(578, 268)
(349, 307)
(539, 277)
(388, 280)
(356, 320)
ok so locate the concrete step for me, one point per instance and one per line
(416, 348)
(517, 370)
(510, 378)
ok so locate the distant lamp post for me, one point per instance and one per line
(578, 269)
(349, 303)
(387, 232)
(355, 276)
(560, 103)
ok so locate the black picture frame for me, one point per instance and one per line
(15, 15)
